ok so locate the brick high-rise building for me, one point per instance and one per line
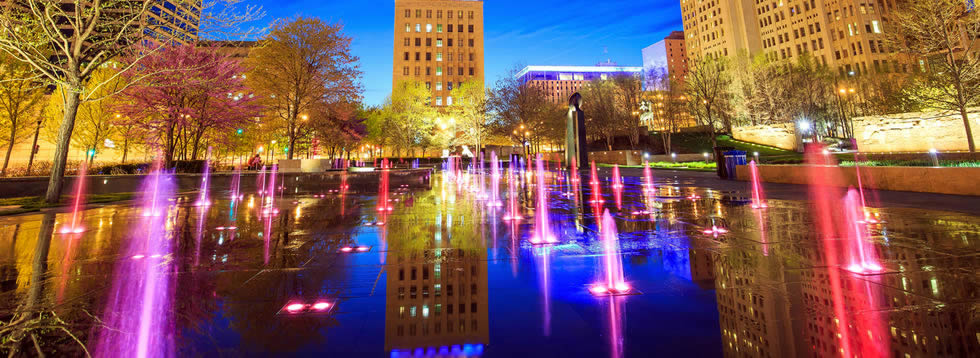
(846, 35)
(676, 56)
(438, 43)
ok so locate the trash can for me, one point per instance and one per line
(720, 160)
(733, 158)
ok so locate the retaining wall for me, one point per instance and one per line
(635, 157)
(941, 180)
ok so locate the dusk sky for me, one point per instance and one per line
(528, 32)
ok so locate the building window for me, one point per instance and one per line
(450, 84)
(428, 85)
(428, 42)
(438, 100)
(459, 27)
(439, 56)
(471, 55)
(406, 56)
(408, 41)
(428, 56)
(428, 71)
(418, 70)
(471, 15)
(471, 28)
(418, 13)
(449, 14)
(449, 27)
(450, 72)
(405, 70)
(450, 59)
(438, 14)
(449, 42)
(418, 56)
(428, 27)
(439, 28)
(408, 13)
(438, 42)
(439, 71)
(418, 27)
(408, 28)
(449, 100)
(471, 71)
(428, 14)
(418, 42)
(471, 44)
(459, 14)
(460, 71)
(438, 86)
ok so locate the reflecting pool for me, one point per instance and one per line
(446, 267)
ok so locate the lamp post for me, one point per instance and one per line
(34, 148)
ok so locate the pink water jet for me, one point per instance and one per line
(139, 318)
(75, 227)
(236, 184)
(383, 200)
(542, 226)
(612, 283)
(758, 196)
(269, 207)
(594, 179)
(494, 200)
(617, 187)
(860, 249)
(260, 181)
(203, 199)
(514, 213)
(648, 183)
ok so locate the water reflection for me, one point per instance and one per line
(442, 276)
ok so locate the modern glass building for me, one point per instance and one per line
(560, 82)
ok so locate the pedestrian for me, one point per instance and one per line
(255, 162)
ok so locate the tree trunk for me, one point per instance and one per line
(10, 148)
(30, 162)
(57, 179)
(966, 125)
(125, 149)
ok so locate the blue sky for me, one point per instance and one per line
(535, 32)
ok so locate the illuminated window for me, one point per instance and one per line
(439, 43)
(439, 71)
(438, 103)
(438, 86)
(439, 56)
(408, 28)
(428, 27)
(439, 28)
(875, 26)
(449, 100)
(418, 27)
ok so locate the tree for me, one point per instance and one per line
(300, 62)
(603, 114)
(518, 110)
(667, 105)
(21, 91)
(186, 93)
(412, 119)
(469, 110)
(96, 120)
(943, 32)
(708, 91)
(629, 90)
(66, 41)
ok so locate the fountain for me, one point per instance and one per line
(542, 227)
(859, 246)
(269, 207)
(648, 183)
(236, 185)
(139, 318)
(75, 226)
(260, 181)
(514, 214)
(203, 199)
(494, 181)
(613, 281)
(758, 197)
(617, 187)
(383, 201)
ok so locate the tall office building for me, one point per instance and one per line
(668, 56)
(438, 43)
(846, 35)
(720, 27)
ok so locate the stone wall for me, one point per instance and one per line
(942, 180)
(781, 135)
(635, 157)
(915, 132)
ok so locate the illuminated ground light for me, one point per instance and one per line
(465, 350)
(382, 208)
(495, 204)
(547, 240)
(142, 256)
(620, 289)
(301, 308)
(223, 228)
(512, 217)
(72, 230)
(694, 197)
(865, 269)
(379, 223)
(715, 230)
(760, 206)
(204, 203)
(641, 212)
(270, 211)
(353, 249)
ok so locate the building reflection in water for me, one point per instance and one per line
(436, 298)
(778, 300)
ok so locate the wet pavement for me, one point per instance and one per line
(441, 273)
